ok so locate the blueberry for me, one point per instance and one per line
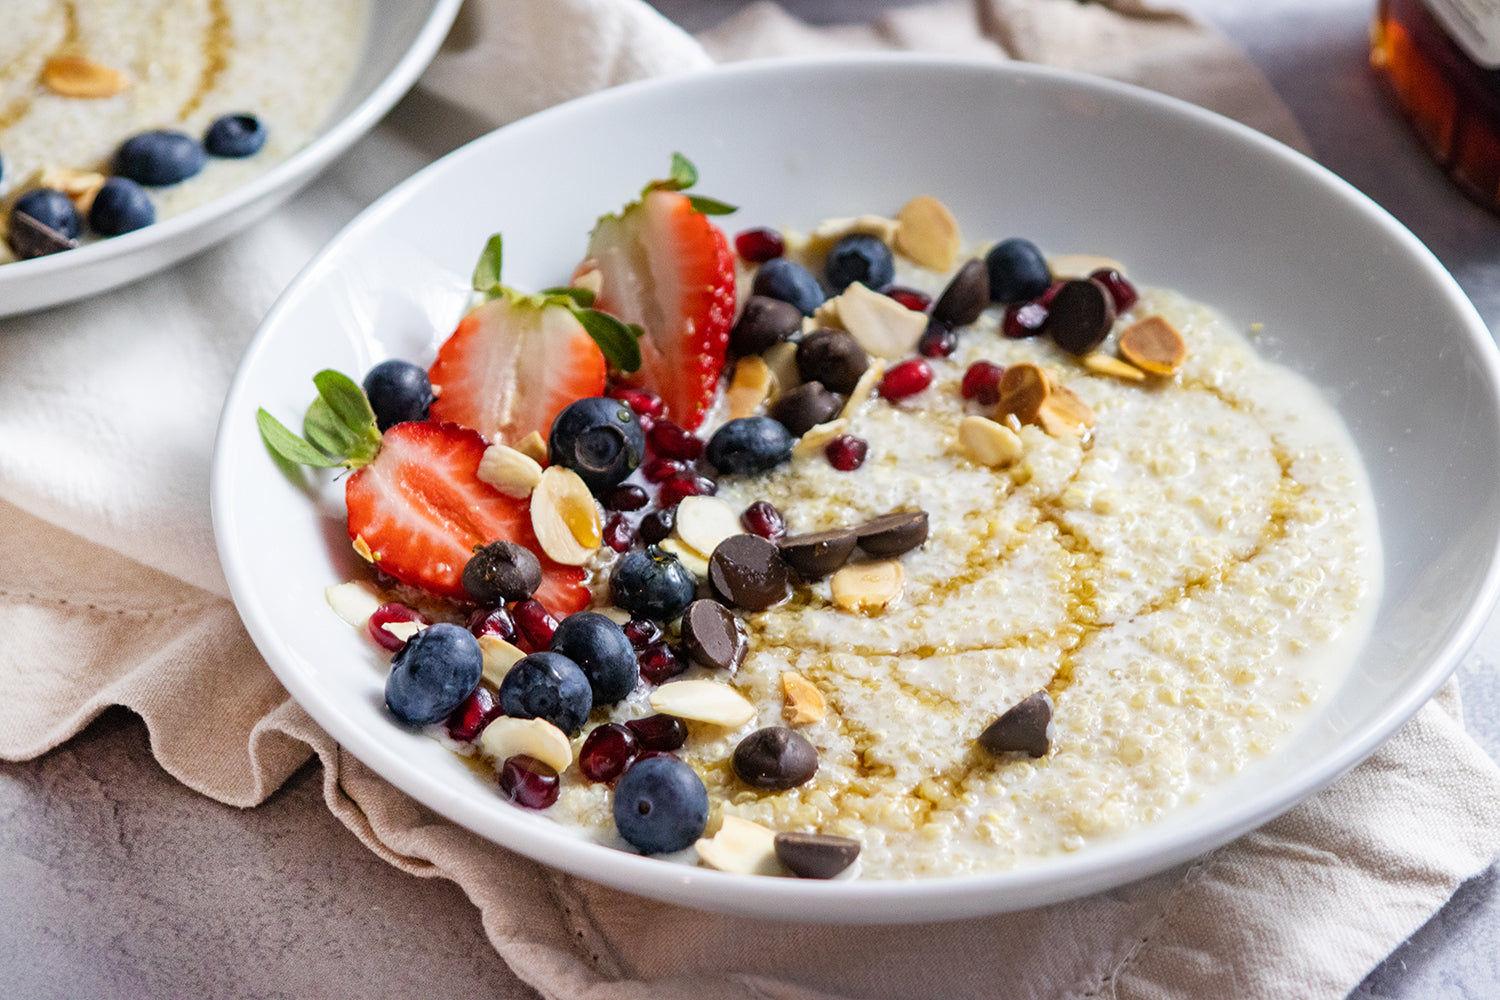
(600, 439)
(433, 673)
(785, 279)
(398, 391)
(235, 136)
(160, 157)
(602, 652)
(52, 209)
(862, 258)
(660, 805)
(121, 206)
(749, 445)
(547, 686)
(1018, 271)
(652, 584)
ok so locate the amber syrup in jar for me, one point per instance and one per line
(1442, 59)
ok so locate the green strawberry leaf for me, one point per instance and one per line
(619, 341)
(581, 297)
(339, 427)
(487, 271)
(683, 175)
(711, 206)
(289, 446)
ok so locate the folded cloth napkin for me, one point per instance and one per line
(110, 592)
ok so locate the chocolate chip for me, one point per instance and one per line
(30, 238)
(764, 321)
(818, 553)
(713, 637)
(1080, 315)
(832, 357)
(501, 572)
(1024, 727)
(804, 407)
(746, 571)
(965, 297)
(815, 855)
(775, 757)
(892, 534)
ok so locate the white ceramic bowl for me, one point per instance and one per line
(1187, 199)
(403, 37)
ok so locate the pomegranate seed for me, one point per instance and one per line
(673, 490)
(659, 662)
(643, 401)
(1024, 319)
(670, 440)
(607, 751)
(763, 519)
(534, 624)
(657, 525)
(477, 711)
(847, 452)
(910, 298)
(528, 782)
(642, 632)
(626, 496)
(659, 470)
(618, 533)
(1120, 288)
(937, 341)
(659, 733)
(906, 379)
(759, 245)
(497, 623)
(390, 614)
(982, 383)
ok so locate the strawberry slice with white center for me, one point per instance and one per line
(419, 510)
(512, 365)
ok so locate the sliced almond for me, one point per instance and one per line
(864, 388)
(354, 601)
(509, 737)
(753, 383)
(617, 615)
(1104, 364)
(533, 447)
(363, 550)
(1154, 345)
(78, 76)
(812, 249)
(1064, 412)
(868, 587)
(704, 522)
(81, 186)
(703, 701)
(403, 630)
(816, 438)
(565, 517)
(1023, 389)
(927, 233)
(989, 443)
(884, 327)
(499, 657)
(781, 359)
(742, 848)
(1080, 265)
(803, 702)
(695, 561)
(510, 471)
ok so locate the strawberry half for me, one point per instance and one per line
(513, 364)
(662, 264)
(419, 510)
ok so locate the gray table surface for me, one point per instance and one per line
(120, 883)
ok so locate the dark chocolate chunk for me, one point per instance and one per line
(1024, 727)
(818, 553)
(776, 758)
(1080, 315)
(833, 358)
(765, 321)
(746, 571)
(965, 297)
(501, 572)
(892, 534)
(30, 238)
(815, 855)
(804, 407)
(713, 637)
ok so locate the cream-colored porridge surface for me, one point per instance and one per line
(188, 62)
(1184, 582)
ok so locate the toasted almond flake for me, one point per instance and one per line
(1064, 412)
(533, 447)
(511, 472)
(403, 630)
(742, 848)
(703, 701)
(1080, 265)
(509, 737)
(927, 233)
(703, 522)
(988, 443)
(752, 384)
(781, 359)
(363, 550)
(695, 561)
(565, 517)
(812, 250)
(1154, 345)
(354, 601)
(617, 615)
(884, 327)
(864, 388)
(1104, 364)
(826, 315)
(81, 186)
(77, 76)
(1023, 389)
(816, 437)
(499, 657)
(803, 702)
(868, 587)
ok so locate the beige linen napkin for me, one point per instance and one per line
(109, 594)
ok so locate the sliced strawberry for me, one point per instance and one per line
(663, 265)
(512, 365)
(419, 510)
